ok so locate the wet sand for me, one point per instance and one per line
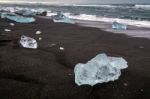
(47, 72)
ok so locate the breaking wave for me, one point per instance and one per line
(87, 17)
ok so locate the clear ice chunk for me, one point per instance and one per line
(60, 17)
(17, 18)
(38, 32)
(28, 42)
(12, 24)
(7, 30)
(119, 26)
(99, 70)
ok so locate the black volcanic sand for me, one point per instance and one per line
(47, 72)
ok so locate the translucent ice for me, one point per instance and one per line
(21, 19)
(26, 12)
(62, 18)
(38, 32)
(119, 26)
(99, 70)
(28, 42)
(17, 18)
(12, 24)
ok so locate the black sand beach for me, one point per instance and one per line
(47, 72)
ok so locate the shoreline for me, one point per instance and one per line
(133, 31)
(47, 72)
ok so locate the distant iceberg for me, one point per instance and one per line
(62, 18)
(119, 26)
(30, 12)
(100, 69)
(25, 12)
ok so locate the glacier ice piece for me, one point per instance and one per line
(28, 42)
(100, 69)
(119, 26)
(38, 32)
(20, 19)
(3, 14)
(61, 48)
(40, 38)
(12, 24)
(7, 30)
(17, 18)
(60, 17)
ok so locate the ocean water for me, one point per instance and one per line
(137, 15)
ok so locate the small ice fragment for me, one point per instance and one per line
(119, 26)
(61, 48)
(141, 90)
(52, 45)
(100, 69)
(125, 84)
(141, 47)
(12, 24)
(38, 32)
(70, 74)
(40, 38)
(28, 42)
(7, 30)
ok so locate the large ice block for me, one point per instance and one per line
(17, 18)
(99, 70)
(119, 26)
(28, 42)
(20, 19)
(62, 18)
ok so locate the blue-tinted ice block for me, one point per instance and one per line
(20, 19)
(119, 26)
(62, 18)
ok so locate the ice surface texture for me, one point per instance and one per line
(28, 42)
(99, 70)
(119, 26)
